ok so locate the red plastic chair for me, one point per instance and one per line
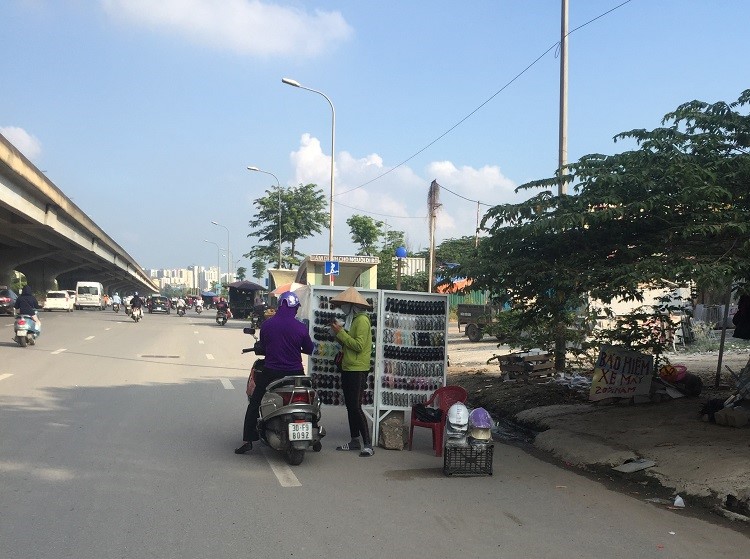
(443, 398)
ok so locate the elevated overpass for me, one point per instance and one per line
(44, 235)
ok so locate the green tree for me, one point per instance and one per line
(365, 232)
(386, 270)
(303, 214)
(241, 273)
(259, 268)
(673, 209)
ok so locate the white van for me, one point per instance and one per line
(89, 294)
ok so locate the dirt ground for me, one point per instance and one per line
(487, 388)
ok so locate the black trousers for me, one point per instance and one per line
(262, 380)
(353, 386)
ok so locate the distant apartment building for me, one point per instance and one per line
(191, 279)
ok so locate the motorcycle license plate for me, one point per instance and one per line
(300, 431)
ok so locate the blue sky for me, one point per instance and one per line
(167, 102)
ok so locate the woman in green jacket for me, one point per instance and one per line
(356, 344)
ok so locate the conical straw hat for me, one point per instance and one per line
(351, 295)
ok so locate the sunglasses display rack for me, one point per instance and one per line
(321, 364)
(412, 355)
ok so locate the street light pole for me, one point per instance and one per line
(218, 260)
(295, 83)
(229, 264)
(278, 185)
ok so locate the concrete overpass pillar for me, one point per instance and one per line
(41, 275)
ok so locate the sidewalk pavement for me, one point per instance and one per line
(693, 457)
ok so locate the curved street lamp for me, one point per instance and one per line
(295, 83)
(229, 264)
(256, 169)
(218, 260)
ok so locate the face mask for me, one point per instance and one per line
(347, 308)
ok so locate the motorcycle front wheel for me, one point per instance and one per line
(295, 456)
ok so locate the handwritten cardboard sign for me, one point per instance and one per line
(621, 373)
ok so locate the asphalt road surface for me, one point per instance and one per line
(116, 441)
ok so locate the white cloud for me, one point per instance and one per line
(27, 144)
(400, 197)
(242, 26)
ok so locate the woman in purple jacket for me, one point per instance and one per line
(284, 339)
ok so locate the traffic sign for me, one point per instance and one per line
(331, 268)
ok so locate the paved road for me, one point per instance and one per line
(116, 441)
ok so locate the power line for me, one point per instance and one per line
(464, 119)
(383, 215)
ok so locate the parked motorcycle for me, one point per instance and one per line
(26, 330)
(116, 307)
(289, 413)
(221, 318)
(136, 313)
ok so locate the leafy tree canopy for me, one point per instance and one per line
(674, 209)
(365, 232)
(303, 214)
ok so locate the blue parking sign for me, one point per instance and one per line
(331, 268)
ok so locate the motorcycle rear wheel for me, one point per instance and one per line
(21, 340)
(295, 456)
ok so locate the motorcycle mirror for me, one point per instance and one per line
(249, 331)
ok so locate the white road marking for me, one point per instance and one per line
(209, 356)
(89, 338)
(226, 383)
(107, 328)
(201, 341)
(6, 375)
(283, 473)
(195, 331)
(59, 351)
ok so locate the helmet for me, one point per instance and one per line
(480, 418)
(135, 293)
(457, 423)
(480, 426)
(116, 294)
(290, 298)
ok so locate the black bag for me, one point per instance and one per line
(428, 415)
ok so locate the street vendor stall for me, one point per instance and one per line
(409, 357)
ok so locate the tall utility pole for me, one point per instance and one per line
(433, 203)
(563, 159)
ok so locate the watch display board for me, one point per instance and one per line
(412, 356)
(409, 358)
(316, 307)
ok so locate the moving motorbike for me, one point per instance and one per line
(221, 317)
(289, 413)
(26, 330)
(116, 307)
(199, 308)
(136, 313)
(180, 311)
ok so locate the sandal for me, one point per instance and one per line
(244, 448)
(348, 446)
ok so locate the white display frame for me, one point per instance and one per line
(379, 389)
(424, 358)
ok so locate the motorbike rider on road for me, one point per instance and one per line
(116, 299)
(284, 339)
(136, 303)
(27, 305)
